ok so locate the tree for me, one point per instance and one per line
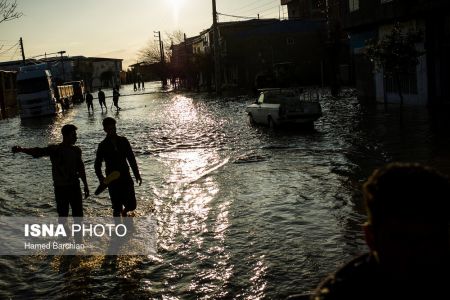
(175, 37)
(395, 54)
(151, 52)
(8, 11)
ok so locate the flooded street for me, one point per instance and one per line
(243, 212)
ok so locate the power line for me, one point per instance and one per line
(269, 9)
(247, 5)
(257, 8)
(233, 16)
(7, 50)
(15, 52)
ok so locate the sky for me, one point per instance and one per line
(114, 28)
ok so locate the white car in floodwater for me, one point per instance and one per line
(285, 106)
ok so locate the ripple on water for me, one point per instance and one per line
(242, 212)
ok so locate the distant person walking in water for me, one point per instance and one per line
(115, 150)
(101, 99)
(89, 101)
(67, 168)
(116, 97)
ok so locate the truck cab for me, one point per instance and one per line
(35, 93)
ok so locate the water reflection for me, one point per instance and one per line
(242, 212)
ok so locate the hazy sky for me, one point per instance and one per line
(113, 28)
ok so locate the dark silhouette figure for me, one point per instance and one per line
(116, 95)
(102, 99)
(89, 101)
(407, 232)
(143, 88)
(116, 151)
(134, 86)
(67, 168)
(139, 84)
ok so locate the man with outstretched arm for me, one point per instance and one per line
(67, 168)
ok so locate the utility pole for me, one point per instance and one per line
(62, 64)
(160, 46)
(162, 58)
(217, 70)
(21, 48)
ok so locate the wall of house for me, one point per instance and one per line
(414, 90)
(433, 70)
(438, 59)
(303, 9)
(105, 66)
(247, 52)
(8, 93)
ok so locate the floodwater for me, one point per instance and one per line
(243, 212)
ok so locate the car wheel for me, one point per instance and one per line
(251, 121)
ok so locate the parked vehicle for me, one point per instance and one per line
(278, 106)
(38, 95)
(78, 90)
(64, 95)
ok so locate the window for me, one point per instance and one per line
(353, 5)
(385, 1)
(290, 41)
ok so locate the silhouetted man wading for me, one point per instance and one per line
(67, 167)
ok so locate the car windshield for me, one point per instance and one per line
(33, 85)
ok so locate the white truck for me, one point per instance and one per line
(37, 95)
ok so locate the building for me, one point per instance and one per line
(8, 93)
(253, 48)
(95, 71)
(143, 72)
(336, 47)
(372, 19)
(186, 68)
(304, 9)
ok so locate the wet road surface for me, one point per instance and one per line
(243, 212)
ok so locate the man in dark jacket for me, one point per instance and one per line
(67, 168)
(116, 95)
(89, 101)
(407, 232)
(101, 99)
(115, 150)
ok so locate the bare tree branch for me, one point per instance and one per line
(151, 52)
(8, 11)
(175, 37)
